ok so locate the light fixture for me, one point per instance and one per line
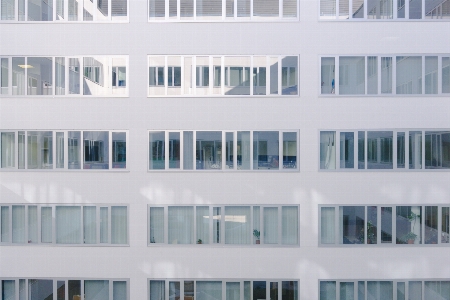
(26, 66)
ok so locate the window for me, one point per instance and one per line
(101, 150)
(100, 225)
(222, 10)
(400, 289)
(384, 10)
(385, 150)
(384, 225)
(65, 11)
(222, 75)
(65, 288)
(223, 150)
(224, 225)
(377, 75)
(165, 289)
(64, 76)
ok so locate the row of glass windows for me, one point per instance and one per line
(222, 75)
(64, 10)
(213, 289)
(64, 76)
(385, 75)
(232, 225)
(384, 290)
(64, 289)
(385, 150)
(64, 224)
(384, 225)
(223, 150)
(63, 150)
(384, 10)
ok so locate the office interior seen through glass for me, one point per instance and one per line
(223, 150)
(384, 10)
(400, 149)
(47, 224)
(402, 289)
(384, 225)
(222, 75)
(64, 10)
(385, 75)
(64, 76)
(63, 150)
(222, 10)
(230, 225)
(64, 288)
(221, 289)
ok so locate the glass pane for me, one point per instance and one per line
(96, 149)
(437, 150)
(415, 150)
(32, 224)
(18, 224)
(8, 145)
(352, 224)
(289, 79)
(401, 8)
(188, 150)
(437, 290)
(229, 148)
(446, 69)
(207, 290)
(273, 291)
(289, 150)
(8, 8)
(327, 150)
(445, 225)
(120, 290)
(270, 225)
(237, 225)
(431, 225)
(40, 150)
(68, 224)
(208, 9)
(8, 290)
(186, 9)
(289, 290)
(18, 74)
(39, 289)
(202, 216)
(372, 225)
(409, 74)
(74, 287)
(269, 8)
(401, 291)
(233, 291)
(431, 74)
(157, 290)
(260, 75)
(74, 149)
(347, 291)
(401, 151)
(266, 150)
(209, 150)
(21, 150)
(415, 290)
(361, 149)
(362, 290)
(327, 9)
(90, 224)
(328, 290)
(96, 289)
(119, 225)
(119, 150)
(379, 149)
(351, 75)
(39, 73)
(217, 216)
(47, 226)
(60, 290)
(259, 290)
(157, 225)
(256, 225)
(247, 290)
(273, 63)
(409, 223)
(415, 9)
(379, 9)
(327, 225)
(104, 225)
(386, 74)
(237, 75)
(174, 290)
(347, 149)
(174, 150)
(372, 73)
(380, 290)
(4, 81)
(343, 9)
(5, 223)
(386, 224)
(181, 224)
(243, 150)
(60, 150)
(74, 71)
(289, 225)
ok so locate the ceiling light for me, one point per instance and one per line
(26, 66)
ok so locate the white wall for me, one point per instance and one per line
(309, 113)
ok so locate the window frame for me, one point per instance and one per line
(54, 242)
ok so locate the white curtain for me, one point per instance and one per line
(327, 150)
(90, 224)
(381, 290)
(8, 290)
(437, 290)
(202, 222)
(233, 291)
(157, 225)
(96, 289)
(237, 225)
(18, 224)
(181, 224)
(270, 225)
(119, 225)
(209, 290)
(328, 290)
(327, 223)
(5, 224)
(120, 290)
(104, 225)
(32, 224)
(289, 225)
(157, 290)
(68, 224)
(46, 225)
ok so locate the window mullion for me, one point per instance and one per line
(26, 10)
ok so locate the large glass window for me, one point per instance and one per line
(241, 225)
(73, 224)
